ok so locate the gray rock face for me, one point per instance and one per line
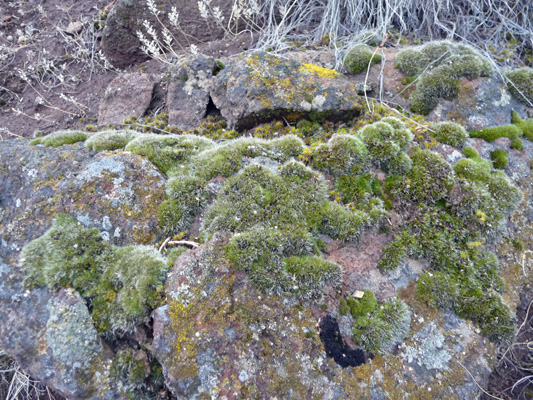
(121, 45)
(126, 96)
(51, 334)
(260, 87)
(188, 93)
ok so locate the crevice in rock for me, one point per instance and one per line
(334, 344)
(212, 109)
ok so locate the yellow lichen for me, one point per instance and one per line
(318, 71)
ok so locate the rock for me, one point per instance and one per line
(74, 27)
(218, 333)
(260, 87)
(51, 334)
(121, 45)
(126, 96)
(188, 93)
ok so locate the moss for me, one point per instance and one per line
(120, 284)
(526, 126)
(449, 133)
(172, 218)
(396, 251)
(342, 154)
(517, 144)
(387, 146)
(167, 151)
(507, 196)
(491, 134)
(363, 306)
(431, 177)
(439, 65)
(500, 158)
(344, 309)
(437, 289)
(110, 140)
(385, 327)
(360, 58)
(60, 138)
(474, 167)
(521, 84)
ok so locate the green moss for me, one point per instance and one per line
(342, 154)
(359, 58)
(500, 158)
(507, 196)
(110, 140)
(60, 138)
(474, 167)
(387, 146)
(431, 177)
(120, 284)
(439, 65)
(521, 84)
(449, 133)
(396, 251)
(344, 309)
(491, 134)
(167, 151)
(381, 330)
(172, 218)
(526, 126)
(363, 306)
(517, 144)
(437, 289)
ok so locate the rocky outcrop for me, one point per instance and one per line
(50, 333)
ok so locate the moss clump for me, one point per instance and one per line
(387, 146)
(517, 144)
(438, 290)
(525, 125)
(344, 309)
(493, 133)
(383, 328)
(167, 151)
(110, 140)
(500, 158)
(449, 133)
(172, 218)
(431, 177)
(363, 306)
(474, 167)
(342, 154)
(360, 58)
(521, 84)
(60, 138)
(120, 284)
(438, 66)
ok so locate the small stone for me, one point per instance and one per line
(9, 38)
(74, 27)
(358, 294)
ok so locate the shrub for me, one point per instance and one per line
(449, 133)
(360, 58)
(521, 84)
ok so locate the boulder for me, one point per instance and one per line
(121, 45)
(128, 95)
(260, 87)
(188, 92)
(50, 333)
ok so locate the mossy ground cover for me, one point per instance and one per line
(437, 68)
(518, 127)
